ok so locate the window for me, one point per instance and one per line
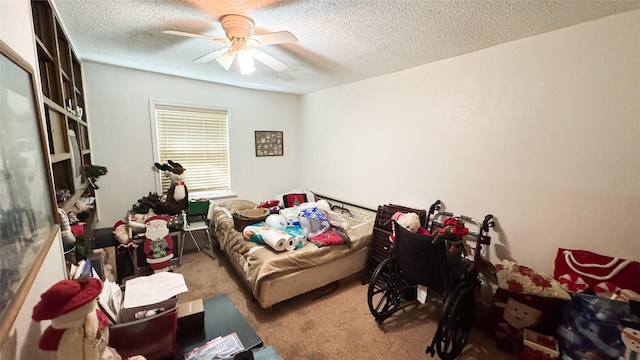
(198, 139)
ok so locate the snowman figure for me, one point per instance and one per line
(158, 244)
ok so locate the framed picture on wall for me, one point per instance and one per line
(27, 221)
(269, 143)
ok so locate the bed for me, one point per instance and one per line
(272, 276)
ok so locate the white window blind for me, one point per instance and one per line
(198, 139)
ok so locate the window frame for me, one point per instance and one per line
(156, 148)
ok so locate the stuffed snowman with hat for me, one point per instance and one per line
(78, 330)
(158, 244)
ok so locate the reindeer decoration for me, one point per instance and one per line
(177, 195)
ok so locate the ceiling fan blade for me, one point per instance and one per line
(201, 36)
(268, 60)
(210, 56)
(279, 37)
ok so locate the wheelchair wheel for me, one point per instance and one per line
(456, 322)
(386, 290)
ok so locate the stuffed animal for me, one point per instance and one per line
(409, 221)
(177, 195)
(158, 245)
(78, 330)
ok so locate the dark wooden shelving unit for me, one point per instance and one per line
(65, 113)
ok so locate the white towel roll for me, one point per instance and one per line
(292, 243)
(275, 238)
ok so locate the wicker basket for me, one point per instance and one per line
(243, 218)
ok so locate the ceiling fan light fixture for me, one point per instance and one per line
(225, 60)
(245, 62)
(241, 41)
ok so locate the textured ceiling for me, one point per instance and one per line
(339, 41)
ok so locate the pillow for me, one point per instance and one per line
(291, 200)
(309, 196)
(521, 279)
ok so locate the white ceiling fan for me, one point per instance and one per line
(243, 44)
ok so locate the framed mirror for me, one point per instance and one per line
(27, 210)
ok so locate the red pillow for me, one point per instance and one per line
(291, 200)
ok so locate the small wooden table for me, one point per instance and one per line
(221, 318)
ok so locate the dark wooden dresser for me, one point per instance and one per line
(380, 243)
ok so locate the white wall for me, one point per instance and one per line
(121, 138)
(16, 30)
(543, 132)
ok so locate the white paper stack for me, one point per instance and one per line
(147, 290)
(110, 300)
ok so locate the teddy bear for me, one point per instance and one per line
(78, 329)
(177, 198)
(409, 221)
(158, 245)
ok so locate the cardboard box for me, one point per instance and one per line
(129, 314)
(190, 317)
(153, 337)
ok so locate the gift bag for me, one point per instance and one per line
(581, 269)
(525, 299)
(511, 314)
(591, 326)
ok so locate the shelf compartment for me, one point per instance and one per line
(67, 90)
(84, 139)
(63, 176)
(57, 132)
(64, 50)
(77, 75)
(43, 20)
(60, 157)
(48, 76)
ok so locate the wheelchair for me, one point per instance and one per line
(417, 260)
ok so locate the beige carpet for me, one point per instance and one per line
(326, 324)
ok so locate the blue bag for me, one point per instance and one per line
(591, 324)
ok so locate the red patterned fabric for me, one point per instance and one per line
(269, 204)
(606, 289)
(595, 268)
(331, 237)
(573, 283)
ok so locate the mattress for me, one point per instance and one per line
(259, 265)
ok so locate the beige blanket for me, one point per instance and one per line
(259, 263)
